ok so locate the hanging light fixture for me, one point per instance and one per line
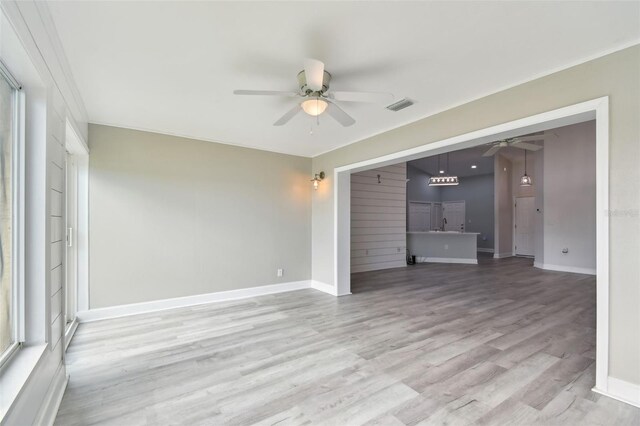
(525, 180)
(446, 180)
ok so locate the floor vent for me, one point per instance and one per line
(401, 104)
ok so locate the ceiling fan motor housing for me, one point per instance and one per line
(302, 82)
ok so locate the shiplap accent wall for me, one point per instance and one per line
(56, 141)
(378, 218)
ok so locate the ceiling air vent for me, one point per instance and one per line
(401, 104)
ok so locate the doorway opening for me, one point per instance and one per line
(596, 109)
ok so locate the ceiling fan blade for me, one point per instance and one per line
(527, 146)
(491, 151)
(530, 138)
(265, 93)
(288, 116)
(374, 97)
(314, 72)
(339, 115)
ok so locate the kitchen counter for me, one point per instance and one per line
(444, 246)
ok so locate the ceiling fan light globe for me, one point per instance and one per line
(314, 106)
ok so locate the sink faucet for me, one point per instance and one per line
(444, 222)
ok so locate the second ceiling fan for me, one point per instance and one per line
(522, 142)
(314, 97)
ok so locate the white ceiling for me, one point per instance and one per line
(171, 67)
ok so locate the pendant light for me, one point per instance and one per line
(525, 180)
(446, 180)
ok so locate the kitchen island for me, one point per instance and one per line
(444, 246)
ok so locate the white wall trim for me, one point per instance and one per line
(626, 392)
(69, 332)
(325, 288)
(503, 255)
(181, 302)
(564, 116)
(484, 250)
(51, 403)
(602, 241)
(562, 268)
(446, 260)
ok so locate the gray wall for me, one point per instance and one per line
(418, 188)
(616, 75)
(174, 217)
(570, 196)
(378, 218)
(477, 193)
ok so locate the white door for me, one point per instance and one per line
(419, 216)
(71, 258)
(523, 226)
(453, 215)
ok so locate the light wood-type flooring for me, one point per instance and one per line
(432, 344)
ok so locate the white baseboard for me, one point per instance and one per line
(485, 250)
(502, 255)
(69, 332)
(181, 302)
(49, 408)
(622, 391)
(446, 260)
(326, 288)
(562, 268)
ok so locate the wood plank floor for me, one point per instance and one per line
(498, 343)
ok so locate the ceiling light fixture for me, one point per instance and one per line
(317, 179)
(525, 180)
(314, 106)
(446, 180)
(474, 166)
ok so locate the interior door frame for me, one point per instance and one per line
(597, 109)
(77, 147)
(513, 245)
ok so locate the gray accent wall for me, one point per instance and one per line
(477, 193)
(418, 188)
(173, 217)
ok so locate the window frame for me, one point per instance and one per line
(17, 316)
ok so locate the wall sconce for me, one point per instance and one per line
(316, 180)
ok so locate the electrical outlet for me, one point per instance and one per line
(280, 272)
(446, 246)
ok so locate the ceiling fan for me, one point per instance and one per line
(522, 142)
(314, 97)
